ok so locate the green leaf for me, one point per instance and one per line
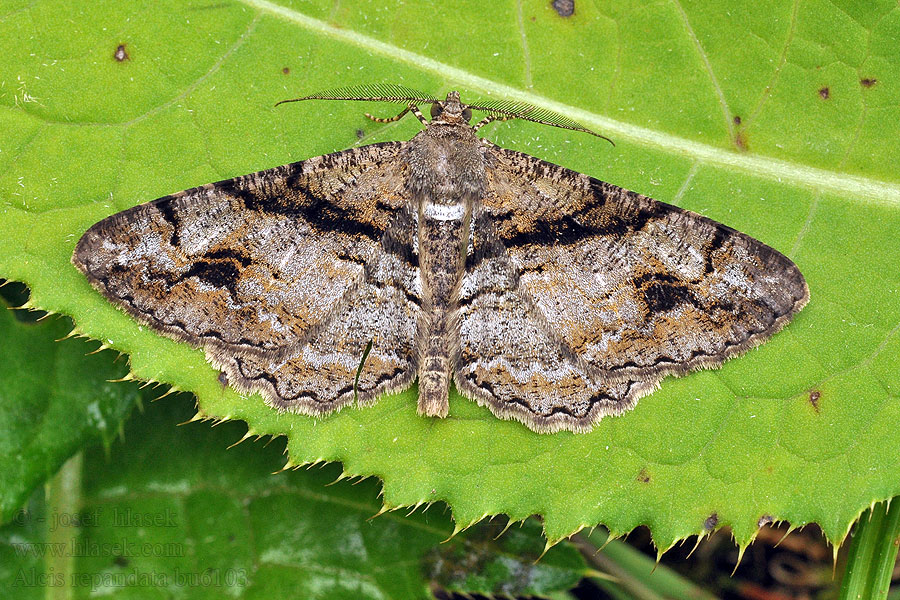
(172, 514)
(776, 119)
(54, 400)
(493, 560)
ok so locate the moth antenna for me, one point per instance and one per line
(504, 110)
(397, 94)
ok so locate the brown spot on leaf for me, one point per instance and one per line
(223, 379)
(868, 81)
(564, 8)
(121, 54)
(711, 521)
(120, 561)
(643, 476)
(286, 70)
(814, 396)
(360, 134)
(765, 520)
(825, 93)
(740, 136)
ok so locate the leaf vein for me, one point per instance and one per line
(860, 187)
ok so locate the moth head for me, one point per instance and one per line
(451, 110)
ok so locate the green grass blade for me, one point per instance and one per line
(873, 553)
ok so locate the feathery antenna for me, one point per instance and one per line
(497, 110)
(370, 93)
(504, 110)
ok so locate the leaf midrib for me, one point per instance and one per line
(784, 171)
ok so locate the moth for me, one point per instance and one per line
(548, 296)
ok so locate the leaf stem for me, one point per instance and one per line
(634, 575)
(63, 494)
(873, 552)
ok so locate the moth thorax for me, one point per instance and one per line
(446, 167)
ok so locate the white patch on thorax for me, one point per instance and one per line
(444, 212)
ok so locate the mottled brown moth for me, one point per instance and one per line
(546, 295)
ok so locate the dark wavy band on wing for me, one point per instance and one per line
(636, 287)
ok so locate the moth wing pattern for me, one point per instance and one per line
(511, 360)
(257, 270)
(627, 289)
(366, 348)
(548, 296)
